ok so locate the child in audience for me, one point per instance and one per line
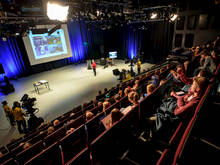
(150, 89)
(56, 122)
(106, 105)
(70, 131)
(117, 98)
(26, 145)
(89, 115)
(116, 115)
(50, 130)
(127, 90)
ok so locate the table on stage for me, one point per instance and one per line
(39, 83)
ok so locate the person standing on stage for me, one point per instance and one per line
(139, 66)
(94, 67)
(8, 112)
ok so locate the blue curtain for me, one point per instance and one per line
(10, 57)
(76, 41)
(132, 41)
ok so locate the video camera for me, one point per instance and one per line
(28, 103)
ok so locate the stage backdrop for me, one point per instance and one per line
(10, 57)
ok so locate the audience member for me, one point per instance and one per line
(56, 122)
(133, 98)
(116, 115)
(89, 115)
(168, 115)
(117, 98)
(127, 90)
(106, 105)
(50, 130)
(70, 131)
(150, 89)
(72, 114)
(162, 81)
(120, 93)
(26, 145)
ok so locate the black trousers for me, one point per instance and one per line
(94, 70)
(23, 124)
(139, 70)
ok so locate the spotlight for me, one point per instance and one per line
(57, 12)
(173, 17)
(153, 15)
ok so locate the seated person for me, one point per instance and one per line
(168, 115)
(120, 93)
(72, 114)
(136, 85)
(26, 145)
(133, 98)
(150, 89)
(117, 98)
(162, 82)
(50, 130)
(116, 115)
(127, 90)
(56, 122)
(106, 105)
(70, 131)
(89, 115)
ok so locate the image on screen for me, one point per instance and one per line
(45, 46)
(113, 54)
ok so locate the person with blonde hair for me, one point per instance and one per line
(116, 115)
(106, 105)
(89, 115)
(150, 89)
(133, 98)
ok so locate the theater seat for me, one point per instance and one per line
(50, 156)
(82, 158)
(73, 143)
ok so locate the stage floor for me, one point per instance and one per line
(70, 86)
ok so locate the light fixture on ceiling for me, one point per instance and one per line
(57, 12)
(153, 15)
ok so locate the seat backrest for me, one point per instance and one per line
(49, 156)
(77, 109)
(38, 137)
(124, 102)
(10, 161)
(73, 143)
(76, 123)
(82, 158)
(27, 154)
(3, 150)
(55, 136)
(94, 127)
(5, 157)
(14, 144)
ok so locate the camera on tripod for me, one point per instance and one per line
(28, 103)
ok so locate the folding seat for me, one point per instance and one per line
(27, 154)
(5, 157)
(3, 150)
(50, 156)
(124, 102)
(38, 137)
(14, 144)
(94, 127)
(82, 158)
(73, 143)
(55, 136)
(16, 150)
(77, 109)
(76, 123)
(10, 161)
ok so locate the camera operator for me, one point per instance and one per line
(34, 122)
(19, 117)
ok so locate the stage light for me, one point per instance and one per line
(173, 17)
(57, 12)
(153, 15)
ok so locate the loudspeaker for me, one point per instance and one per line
(116, 72)
(40, 31)
(54, 29)
(2, 71)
